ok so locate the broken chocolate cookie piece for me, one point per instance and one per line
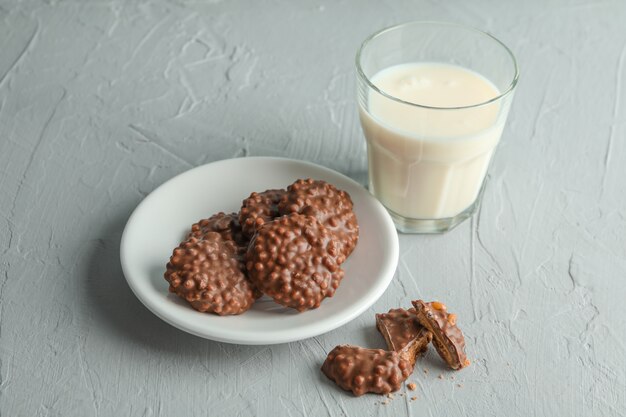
(363, 370)
(447, 337)
(403, 332)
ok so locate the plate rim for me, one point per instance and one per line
(388, 272)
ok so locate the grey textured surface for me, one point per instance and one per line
(102, 101)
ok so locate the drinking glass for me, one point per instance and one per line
(428, 162)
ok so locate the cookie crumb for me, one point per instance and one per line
(411, 386)
(440, 376)
(413, 398)
(385, 402)
(459, 385)
(426, 371)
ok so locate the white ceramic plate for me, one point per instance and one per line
(163, 218)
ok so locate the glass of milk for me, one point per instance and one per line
(433, 100)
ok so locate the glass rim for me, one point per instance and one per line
(380, 32)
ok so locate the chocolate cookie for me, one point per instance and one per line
(259, 209)
(207, 273)
(447, 337)
(366, 370)
(402, 332)
(227, 225)
(332, 207)
(294, 260)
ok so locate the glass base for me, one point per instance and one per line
(406, 225)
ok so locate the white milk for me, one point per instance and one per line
(430, 163)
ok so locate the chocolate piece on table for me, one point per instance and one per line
(447, 337)
(293, 259)
(402, 331)
(259, 209)
(332, 207)
(207, 274)
(363, 370)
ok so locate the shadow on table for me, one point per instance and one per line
(114, 306)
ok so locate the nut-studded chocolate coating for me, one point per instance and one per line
(363, 370)
(207, 273)
(227, 225)
(332, 207)
(447, 337)
(259, 209)
(294, 260)
(402, 331)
